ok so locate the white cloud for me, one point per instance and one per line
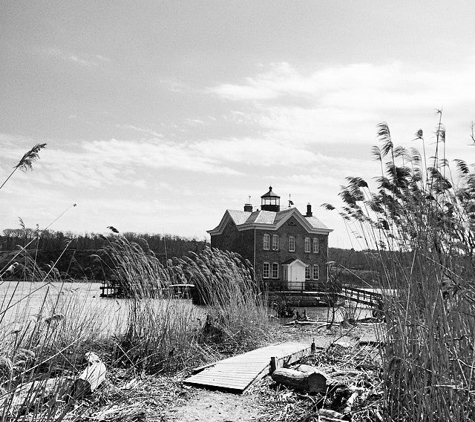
(103, 58)
(71, 57)
(343, 104)
(148, 132)
(100, 165)
(154, 154)
(255, 152)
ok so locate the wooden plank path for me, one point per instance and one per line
(239, 372)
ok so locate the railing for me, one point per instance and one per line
(313, 288)
(361, 296)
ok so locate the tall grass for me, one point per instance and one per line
(237, 308)
(163, 334)
(150, 331)
(417, 226)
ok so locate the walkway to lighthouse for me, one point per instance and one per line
(239, 372)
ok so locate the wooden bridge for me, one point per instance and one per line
(364, 297)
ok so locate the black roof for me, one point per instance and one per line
(270, 194)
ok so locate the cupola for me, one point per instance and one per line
(270, 201)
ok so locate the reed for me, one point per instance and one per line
(236, 307)
(164, 332)
(417, 227)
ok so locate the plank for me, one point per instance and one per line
(239, 372)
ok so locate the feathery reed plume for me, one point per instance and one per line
(26, 162)
(422, 230)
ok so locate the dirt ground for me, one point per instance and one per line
(215, 406)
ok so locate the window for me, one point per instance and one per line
(285, 273)
(307, 245)
(316, 245)
(275, 270)
(307, 272)
(266, 270)
(316, 272)
(266, 245)
(291, 244)
(275, 242)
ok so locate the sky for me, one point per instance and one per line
(160, 115)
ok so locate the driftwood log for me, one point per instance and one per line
(312, 381)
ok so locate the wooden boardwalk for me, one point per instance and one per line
(239, 372)
(364, 297)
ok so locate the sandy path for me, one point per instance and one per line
(215, 406)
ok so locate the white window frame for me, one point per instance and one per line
(266, 242)
(308, 245)
(316, 245)
(266, 270)
(291, 243)
(275, 242)
(275, 270)
(316, 272)
(307, 272)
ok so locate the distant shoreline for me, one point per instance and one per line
(58, 282)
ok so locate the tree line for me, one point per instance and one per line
(75, 257)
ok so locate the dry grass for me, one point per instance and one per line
(151, 332)
(418, 228)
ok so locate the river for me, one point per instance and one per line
(23, 301)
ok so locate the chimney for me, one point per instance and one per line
(309, 210)
(248, 207)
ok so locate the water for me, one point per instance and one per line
(24, 301)
(324, 314)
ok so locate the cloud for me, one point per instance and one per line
(343, 104)
(74, 57)
(104, 59)
(100, 165)
(257, 152)
(155, 155)
(141, 130)
(281, 79)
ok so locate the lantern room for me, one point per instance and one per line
(270, 201)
